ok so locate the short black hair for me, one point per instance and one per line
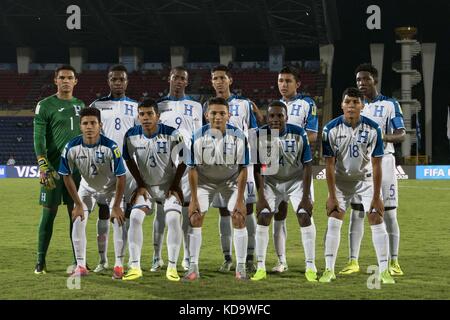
(90, 111)
(221, 67)
(149, 103)
(368, 68)
(118, 67)
(178, 68)
(66, 67)
(217, 100)
(290, 70)
(278, 103)
(353, 92)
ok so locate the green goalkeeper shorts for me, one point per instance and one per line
(52, 198)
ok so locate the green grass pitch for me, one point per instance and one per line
(424, 218)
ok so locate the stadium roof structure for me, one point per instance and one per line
(299, 23)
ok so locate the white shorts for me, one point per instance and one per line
(227, 191)
(389, 185)
(130, 186)
(249, 193)
(90, 197)
(354, 192)
(277, 191)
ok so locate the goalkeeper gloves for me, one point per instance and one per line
(47, 174)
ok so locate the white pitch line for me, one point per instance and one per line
(423, 187)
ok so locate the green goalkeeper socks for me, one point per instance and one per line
(45, 233)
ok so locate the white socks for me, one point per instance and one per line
(195, 242)
(225, 234)
(240, 244)
(250, 223)
(332, 240)
(279, 239)
(262, 241)
(174, 235)
(356, 233)
(102, 239)
(159, 223)
(309, 245)
(390, 219)
(79, 239)
(135, 237)
(118, 244)
(380, 241)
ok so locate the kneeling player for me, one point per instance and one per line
(291, 181)
(153, 145)
(99, 161)
(219, 156)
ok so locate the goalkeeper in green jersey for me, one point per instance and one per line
(56, 122)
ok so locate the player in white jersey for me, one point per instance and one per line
(353, 148)
(119, 113)
(302, 111)
(150, 152)
(184, 114)
(241, 116)
(291, 181)
(217, 165)
(99, 161)
(388, 114)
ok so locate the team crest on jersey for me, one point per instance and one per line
(363, 136)
(77, 109)
(100, 157)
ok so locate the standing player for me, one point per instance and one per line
(386, 112)
(353, 148)
(119, 113)
(153, 145)
(55, 123)
(302, 111)
(103, 180)
(184, 114)
(217, 165)
(242, 117)
(292, 181)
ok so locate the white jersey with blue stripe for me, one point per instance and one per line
(352, 148)
(118, 115)
(153, 153)
(302, 111)
(388, 114)
(293, 151)
(217, 157)
(184, 114)
(98, 164)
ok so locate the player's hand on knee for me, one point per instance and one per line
(77, 211)
(377, 206)
(332, 206)
(240, 208)
(194, 208)
(117, 213)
